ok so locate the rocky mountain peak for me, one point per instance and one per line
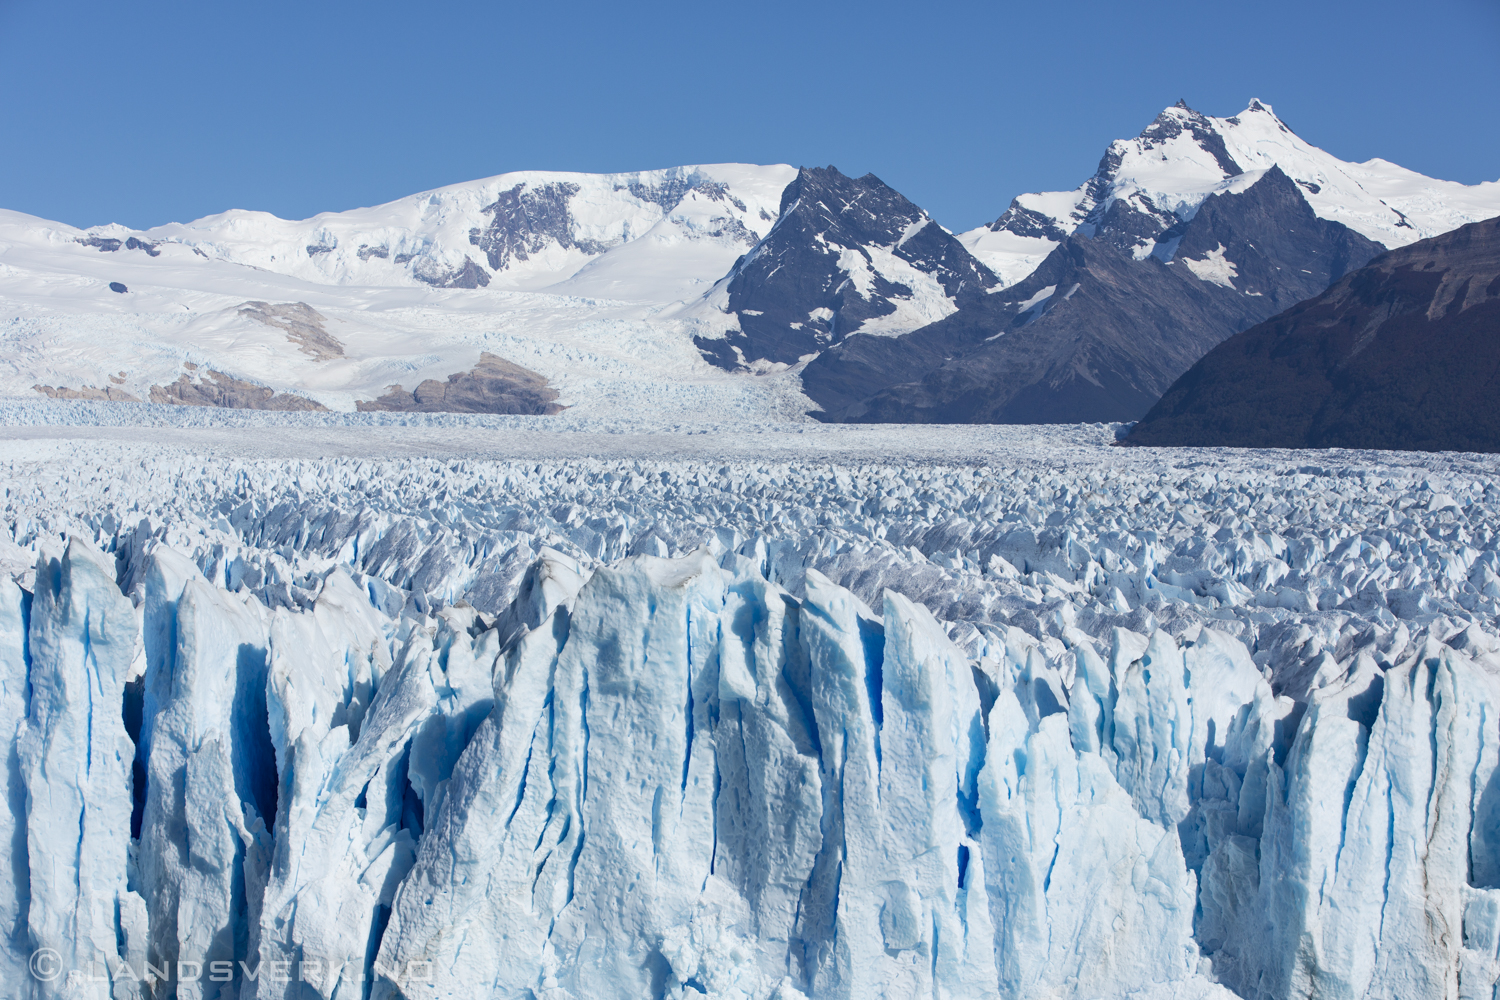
(1181, 120)
(847, 254)
(1098, 331)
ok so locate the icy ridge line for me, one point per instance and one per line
(24, 412)
(670, 777)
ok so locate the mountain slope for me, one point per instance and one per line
(1182, 157)
(577, 290)
(847, 255)
(521, 230)
(661, 291)
(1097, 332)
(1404, 353)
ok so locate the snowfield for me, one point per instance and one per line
(594, 281)
(444, 706)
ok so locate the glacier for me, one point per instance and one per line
(309, 714)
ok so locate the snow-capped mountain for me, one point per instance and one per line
(1099, 331)
(683, 290)
(1162, 176)
(524, 230)
(568, 276)
(847, 255)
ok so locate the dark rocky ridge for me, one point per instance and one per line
(470, 275)
(214, 388)
(527, 218)
(106, 244)
(1403, 353)
(494, 385)
(1115, 330)
(789, 293)
(109, 393)
(302, 324)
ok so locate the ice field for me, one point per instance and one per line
(395, 705)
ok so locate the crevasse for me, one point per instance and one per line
(672, 777)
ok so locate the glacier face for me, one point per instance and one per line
(1075, 722)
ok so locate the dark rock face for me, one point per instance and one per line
(1027, 222)
(796, 292)
(105, 244)
(494, 385)
(303, 325)
(214, 388)
(1096, 333)
(118, 286)
(1126, 225)
(1280, 250)
(470, 275)
(1403, 353)
(109, 393)
(529, 217)
(524, 220)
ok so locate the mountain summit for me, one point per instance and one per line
(762, 292)
(1099, 330)
(1144, 185)
(847, 255)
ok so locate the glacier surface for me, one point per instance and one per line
(309, 707)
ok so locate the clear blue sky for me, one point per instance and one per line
(153, 111)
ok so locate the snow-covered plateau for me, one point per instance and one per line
(378, 705)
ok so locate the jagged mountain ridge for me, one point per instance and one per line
(1098, 332)
(847, 255)
(1403, 353)
(1182, 157)
(647, 292)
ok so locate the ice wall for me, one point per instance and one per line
(672, 777)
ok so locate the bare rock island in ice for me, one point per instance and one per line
(1080, 724)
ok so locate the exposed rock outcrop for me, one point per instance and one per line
(303, 325)
(494, 385)
(109, 392)
(214, 388)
